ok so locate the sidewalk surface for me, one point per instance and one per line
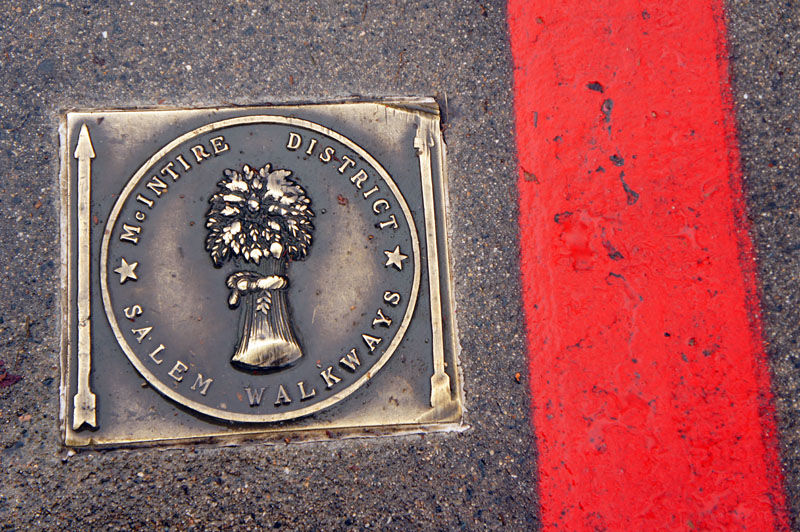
(725, 81)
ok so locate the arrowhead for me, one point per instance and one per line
(84, 149)
(85, 410)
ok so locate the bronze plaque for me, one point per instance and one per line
(271, 271)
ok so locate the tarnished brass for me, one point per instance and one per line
(232, 273)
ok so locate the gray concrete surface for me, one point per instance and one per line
(59, 55)
(765, 51)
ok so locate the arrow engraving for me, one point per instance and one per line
(84, 401)
(442, 403)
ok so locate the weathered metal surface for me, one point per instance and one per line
(233, 272)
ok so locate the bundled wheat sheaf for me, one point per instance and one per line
(258, 213)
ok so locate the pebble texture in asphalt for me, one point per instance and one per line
(765, 48)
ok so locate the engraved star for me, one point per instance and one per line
(127, 271)
(395, 258)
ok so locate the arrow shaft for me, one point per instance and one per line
(84, 315)
(440, 382)
(84, 400)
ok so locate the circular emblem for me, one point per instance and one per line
(260, 268)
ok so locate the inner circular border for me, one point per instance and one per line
(223, 414)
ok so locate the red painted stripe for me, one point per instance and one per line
(648, 375)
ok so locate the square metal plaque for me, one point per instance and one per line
(270, 272)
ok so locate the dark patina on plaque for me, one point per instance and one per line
(256, 271)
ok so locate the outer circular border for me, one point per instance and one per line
(223, 414)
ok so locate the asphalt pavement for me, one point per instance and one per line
(764, 44)
(64, 55)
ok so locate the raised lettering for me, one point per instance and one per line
(370, 192)
(141, 334)
(199, 153)
(329, 377)
(130, 231)
(393, 298)
(377, 210)
(295, 141)
(157, 186)
(254, 396)
(350, 360)
(347, 162)
(140, 216)
(183, 162)
(371, 341)
(156, 352)
(283, 397)
(392, 221)
(327, 154)
(381, 320)
(202, 384)
(168, 170)
(132, 312)
(359, 178)
(219, 145)
(177, 371)
(311, 145)
(303, 394)
(144, 199)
